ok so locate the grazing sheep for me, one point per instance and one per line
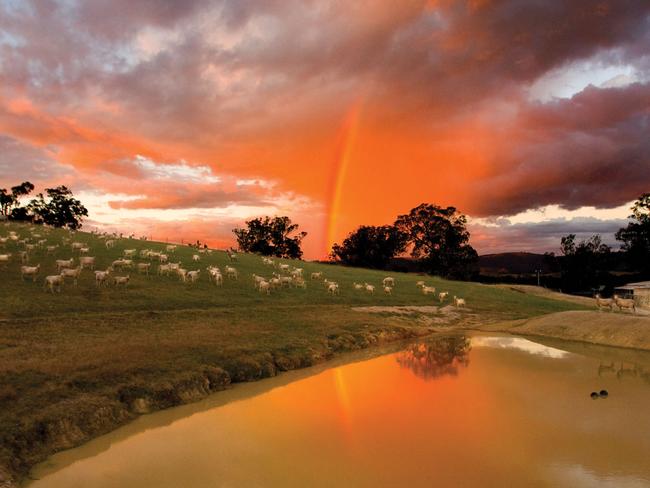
(170, 248)
(84, 250)
(213, 271)
(129, 253)
(283, 267)
(388, 290)
(121, 280)
(604, 302)
(299, 282)
(358, 286)
(285, 281)
(182, 274)
(317, 276)
(193, 276)
(4, 259)
(27, 271)
(87, 262)
(627, 303)
(268, 261)
(232, 256)
(420, 284)
(143, 268)
(264, 287)
(333, 289)
(101, 277)
(369, 288)
(388, 281)
(443, 295)
(426, 290)
(109, 244)
(297, 272)
(76, 246)
(231, 272)
(71, 273)
(196, 257)
(164, 269)
(64, 263)
(459, 302)
(53, 281)
(51, 249)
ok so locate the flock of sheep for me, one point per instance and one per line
(281, 275)
(615, 301)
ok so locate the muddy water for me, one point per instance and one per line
(450, 411)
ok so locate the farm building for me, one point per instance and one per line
(639, 291)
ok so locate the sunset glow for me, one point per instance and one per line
(180, 123)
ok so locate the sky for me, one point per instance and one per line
(179, 120)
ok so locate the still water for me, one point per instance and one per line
(484, 410)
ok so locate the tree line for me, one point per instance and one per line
(590, 264)
(436, 239)
(57, 207)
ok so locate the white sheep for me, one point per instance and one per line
(182, 274)
(193, 276)
(299, 282)
(143, 268)
(4, 259)
(419, 284)
(101, 277)
(71, 273)
(358, 286)
(388, 290)
(121, 280)
(369, 288)
(196, 257)
(264, 287)
(333, 289)
(443, 295)
(170, 248)
(109, 244)
(53, 281)
(87, 262)
(459, 302)
(317, 276)
(27, 271)
(426, 290)
(388, 281)
(231, 272)
(64, 263)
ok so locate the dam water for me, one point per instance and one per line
(458, 410)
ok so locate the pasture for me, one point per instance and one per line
(79, 362)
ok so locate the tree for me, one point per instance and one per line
(636, 236)
(271, 237)
(370, 247)
(60, 209)
(9, 201)
(438, 237)
(583, 264)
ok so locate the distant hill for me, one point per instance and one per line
(513, 263)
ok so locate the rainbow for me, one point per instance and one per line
(343, 156)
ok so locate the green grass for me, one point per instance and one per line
(80, 358)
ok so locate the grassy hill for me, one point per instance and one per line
(79, 363)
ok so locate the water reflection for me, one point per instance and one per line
(519, 344)
(436, 357)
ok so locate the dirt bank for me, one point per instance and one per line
(603, 328)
